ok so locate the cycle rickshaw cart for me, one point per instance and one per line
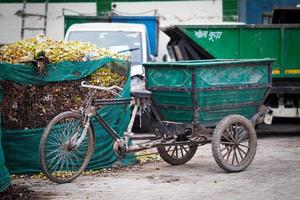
(186, 104)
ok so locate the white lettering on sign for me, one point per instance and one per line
(201, 34)
(211, 35)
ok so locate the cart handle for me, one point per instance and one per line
(110, 89)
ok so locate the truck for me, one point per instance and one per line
(279, 40)
(135, 37)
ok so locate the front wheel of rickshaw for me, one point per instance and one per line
(177, 154)
(62, 160)
(234, 143)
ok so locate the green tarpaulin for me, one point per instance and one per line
(21, 147)
(4, 175)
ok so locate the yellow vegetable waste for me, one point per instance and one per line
(47, 101)
(55, 51)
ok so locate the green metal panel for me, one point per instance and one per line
(215, 47)
(177, 115)
(256, 43)
(221, 76)
(235, 97)
(230, 10)
(215, 98)
(157, 77)
(211, 117)
(213, 88)
(103, 6)
(281, 42)
(290, 57)
(174, 98)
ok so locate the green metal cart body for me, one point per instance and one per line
(206, 91)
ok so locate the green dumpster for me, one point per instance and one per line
(280, 41)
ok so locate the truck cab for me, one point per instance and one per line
(123, 38)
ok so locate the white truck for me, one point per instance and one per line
(129, 39)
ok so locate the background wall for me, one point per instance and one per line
(10, 24)
(173, 13)
(170, 11)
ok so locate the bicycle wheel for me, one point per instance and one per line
(62, 160)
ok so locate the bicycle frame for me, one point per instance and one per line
(165, 132)
(104, 124)
(138, 104)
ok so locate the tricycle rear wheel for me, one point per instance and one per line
(177, 154)
(234, 143)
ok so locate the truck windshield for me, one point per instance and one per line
(126, 43)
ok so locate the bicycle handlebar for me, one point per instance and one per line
(109, 89)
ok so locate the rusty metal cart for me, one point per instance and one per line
(186, 104)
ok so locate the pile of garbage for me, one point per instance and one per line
(31, 106)
(28, 50)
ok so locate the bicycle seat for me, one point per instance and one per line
(141, 93)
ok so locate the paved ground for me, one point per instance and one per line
(274, 174)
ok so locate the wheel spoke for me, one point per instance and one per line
(169, 147)
(233, 157)
(226, 147)
(227, 142)
(173, 151)
(230, 135)
(51, 152)
(50, 162)
(186, 151)
(55, 138)
(226, 137)
(68, 124)
(63, 161)
(235, 154)
(182, 155)
(241, 150)
(227, 153)
(236, 131)
(245, 140)
(57, 163)
(242, 135)
(244, 146)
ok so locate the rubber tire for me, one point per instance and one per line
(44, 137)
(216, 137)
(172, 161)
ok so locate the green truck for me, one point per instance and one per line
(278, 41)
